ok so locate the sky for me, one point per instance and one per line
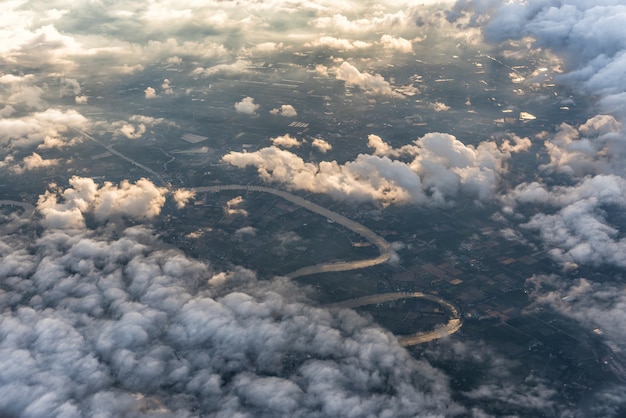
(101, 317)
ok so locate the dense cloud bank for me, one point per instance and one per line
(100, 326)
(589, 35)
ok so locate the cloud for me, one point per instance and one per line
(373, 84)
(131, 131)
(321, 145)
(439, 107)
(125, 326)
(47, 129)
(595, 305)
(34, 161)
(167, 87)
(577, 230)
(135, 127)
(380, 146)
(371, 24)
(182, 197)
(399, 44)
(247, 106)
(236, 68)
(286, 141)
(439, 167)
(61, 209)
(69, 87)
(338, 43)
(150, 93)
(232, 209)
(588, 35)
(595, 147)
(285, 110)
(31, 162)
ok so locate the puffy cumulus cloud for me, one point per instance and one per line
(47, 129)
(95, 326)
(380, 146)
(286, 141)
(438, 168)
(35, 160)
(446, 165)
(132, 131)
(576, 228)
(590, 36)
(135, 127)
(66, 208)
(31, 162)
(597, 146)
(321, 145)
(182, 197)
(366, 178)
(167, 87)
(285, 110)
(374, 84)
(398, 44)
(247, 106)
(150, 93)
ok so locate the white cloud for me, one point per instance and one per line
(182, 196)
(150, 93)
(374, 84)
(399, 44)
(321, 145)
(285, 110)
(66, 208)
(35, 161)
(577, 231)
(286, 141)
(597, 146)
(238, 67)
(47, 129)
(247, 106)
(136, 328)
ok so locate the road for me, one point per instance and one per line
(113, 151)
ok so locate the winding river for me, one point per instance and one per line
(384, 247)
